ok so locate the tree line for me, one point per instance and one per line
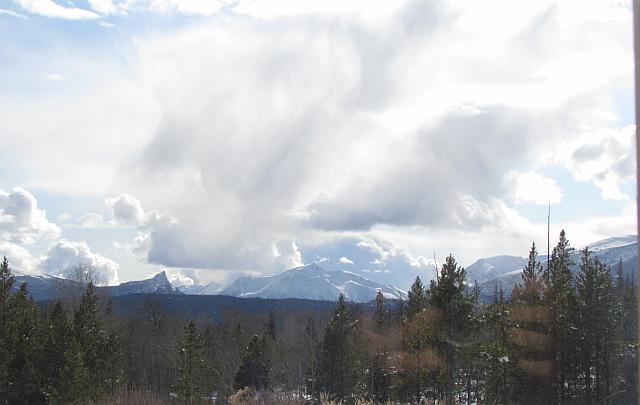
(557, 338)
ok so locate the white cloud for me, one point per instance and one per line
(12, 13)
(604, 156)
(91, 220)
(21, 221)
(126, 210)
(49, 8)
(65, 254)
(183, 277)
(345, 260)
(317, 121)
(197, 7)
(103, 7)
(532, 187)
(19, 258)
(53, 76)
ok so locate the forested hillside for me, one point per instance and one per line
(561, 338)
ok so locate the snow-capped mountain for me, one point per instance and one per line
(615, 251)
(46, 287)
(158, 284)
(311, 282)
(491, 267)
(212, 288)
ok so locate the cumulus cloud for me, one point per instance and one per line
(126, 210)
(339, 144)
(345, 260)
(183, 277)
(21, 221)
(20, 259)
(64, 254)
(319, 122)
(532, 187)
(605, 156)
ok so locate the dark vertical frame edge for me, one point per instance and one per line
(636, 48)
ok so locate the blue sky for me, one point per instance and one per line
(236, 137)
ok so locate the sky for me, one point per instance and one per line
(213, 139)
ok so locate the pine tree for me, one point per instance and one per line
(337, 375)
(627, 345)
(500, 357)
(417, 299)
(310, 352)
(101, 350)
(193, 381)
(448, 296)
(75, 381)
(271, 326)
(379, 312)
(22, 347)
(529, 331)
(255, 368)
(6, 283)
(561, 300)
(380, 377)
(55, 336)
(530, 291)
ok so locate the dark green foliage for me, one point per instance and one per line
(55, 339)
(449, 298)
(101, 351)
(338, 368)
(417, 299)
(75, 380)
(595, 301)
(193, 374)
(561, 300)
(255, 367)
(22, 348)
(379, 380)
(530, 291)
(562, 338)
(379, 314)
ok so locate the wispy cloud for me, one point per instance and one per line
(49, 8)
(53, 76)
(12, 13)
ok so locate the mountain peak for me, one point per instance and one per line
(161, 277)
(311, 282)
(312, 267)
(613, 242)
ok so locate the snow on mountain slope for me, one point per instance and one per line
(491, 267)
(311, 282)
(614, 242)
(46, 287)
(212, 288)
(158, 284)
(613, 252)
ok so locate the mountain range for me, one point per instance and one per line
(313, 282)
(505, 271)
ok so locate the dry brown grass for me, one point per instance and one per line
(248, 397)
(530, 314)
(135, 398)
(536, 368)
(532, 340)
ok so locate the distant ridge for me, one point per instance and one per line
(312, 282)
